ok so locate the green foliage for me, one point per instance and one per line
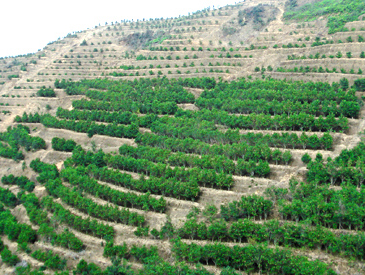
(155, 233)
(152, 262)
(184, 150)
(86, 205)
(290, 45)
(161, 186)
(349, 108)
(8, 257)
(78, 178)
(22, 182)
(8, 198)
(141, 231)
(61, 144)
(47, 171)
(91, 128)
(138, 96)
(22, 233)
(167, 230)
(87, 226)
(203, 176)
(117, 268)
(65, 239)
(83, 43)
(360, 84)
(273, 232)
(339, 209)
(263, 97)
(210, 211)
(46, 231)
(346, 168)
(50, 260)
(248, 207)
(250, 258)
(208, 161)
(257, 152)
(344, 83)
(277, 122)
(306, 158)
(340, 12)
(84, 268)
(11, 76)
(46, 92)
(17, 137)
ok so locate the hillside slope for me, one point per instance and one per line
(229, 141)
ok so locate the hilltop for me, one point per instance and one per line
(206, 144)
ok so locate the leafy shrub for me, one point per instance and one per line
(306, 158)
(61, 144)
(46, 92)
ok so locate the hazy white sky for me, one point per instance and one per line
(28, 25)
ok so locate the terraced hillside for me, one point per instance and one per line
(229, 141)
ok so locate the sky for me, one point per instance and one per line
(29, 25)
